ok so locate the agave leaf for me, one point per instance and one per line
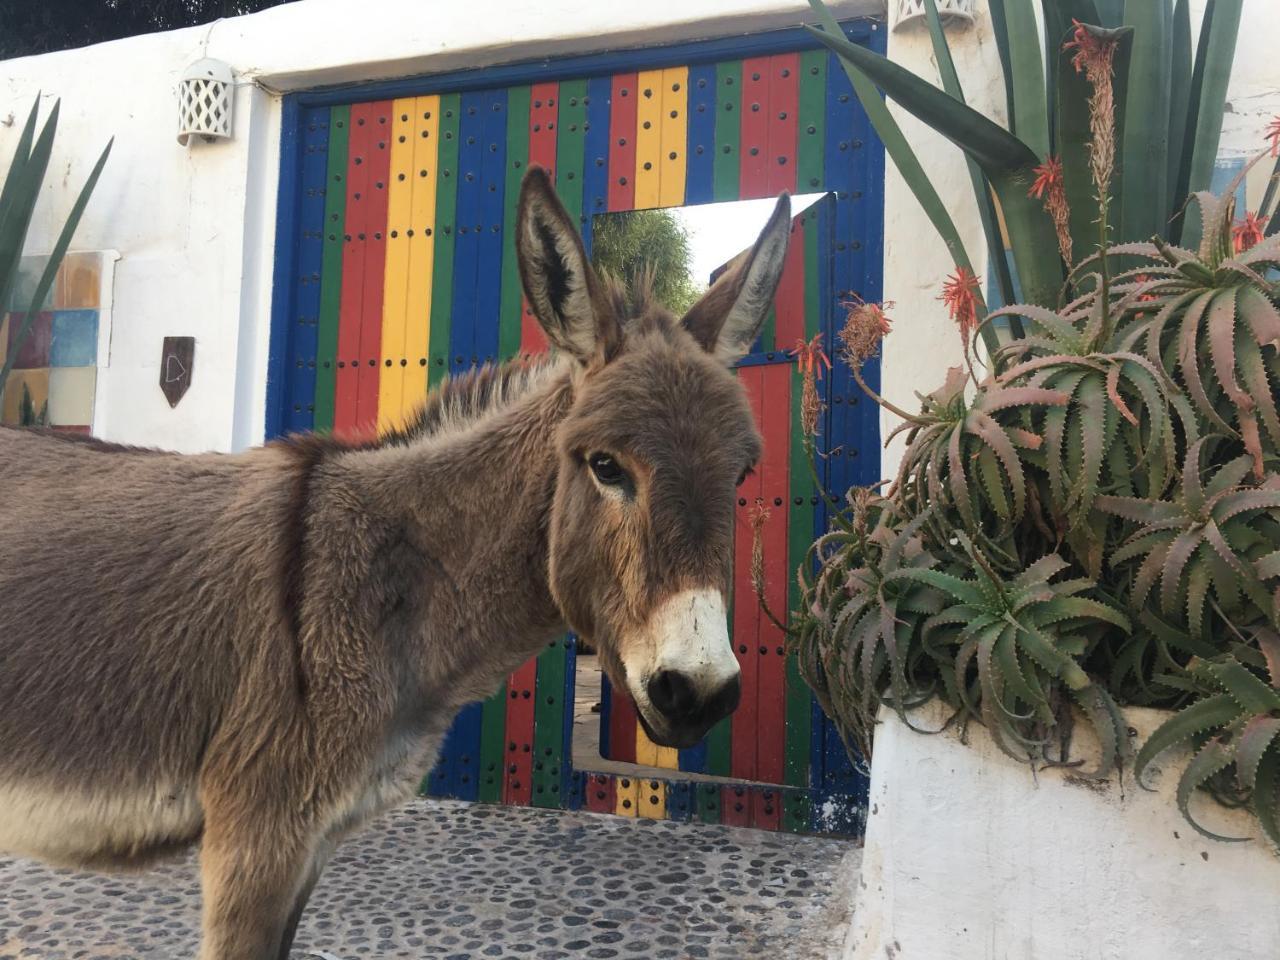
(981, 190)
(1212, 758)
(1179, 99)
(1208, 96)
(23, 187)
(1029, 120)
(1144, 145)
(1207, 714)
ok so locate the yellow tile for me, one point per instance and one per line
(79, 282)
(71, 392)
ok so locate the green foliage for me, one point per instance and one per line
(18, 196)
(631, 244)
(1096, 522)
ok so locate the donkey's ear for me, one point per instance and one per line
(728, 317)
(562, 289)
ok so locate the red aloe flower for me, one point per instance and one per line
(810, 356)
(1048, 177)
(1090, 51)
(961, 294)
(1273, 134)
(1247, 232)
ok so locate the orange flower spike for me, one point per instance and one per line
(1247, 232)
(960, 293)
(1048, 178)
(810, 356)
(1090, 51)
(1272, 133)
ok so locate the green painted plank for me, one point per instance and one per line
(769, 331)
(548, 724)
(335, 213)
(708, 795)
(571, 132)
(442, 263)
(517, 161)
(800, 530)
(493, 735)
(796, 807)
(728, 129)
(812, 121)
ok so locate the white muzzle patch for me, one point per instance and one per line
(689, 634)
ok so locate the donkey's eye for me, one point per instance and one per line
(745, 473)
(606, 469)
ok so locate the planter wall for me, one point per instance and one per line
(968, 857)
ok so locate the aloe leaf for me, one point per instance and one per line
(1144, 154)
(1179, 99)
(1243, 686)
(1208, 96)
(22, 202)
(1212, 758)
(1261, 316)
(1269, 566)
(990, 144)
(1266, 795)
(1094, 701)
(1203, 715)
(981, 190)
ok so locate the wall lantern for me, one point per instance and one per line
(949, 11)
(204, 101)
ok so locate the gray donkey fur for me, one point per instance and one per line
(259, 652)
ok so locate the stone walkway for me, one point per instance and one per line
(467, 882)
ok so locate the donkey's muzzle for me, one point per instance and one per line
(689, 713)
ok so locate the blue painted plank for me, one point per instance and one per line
(595, 167)
(300, 364)
(492, 209)
(468, 229)
(283, 290)
(700, 151)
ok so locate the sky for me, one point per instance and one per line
(720, 231)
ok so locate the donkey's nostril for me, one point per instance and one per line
(671, 692)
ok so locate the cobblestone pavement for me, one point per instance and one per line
(468, 882)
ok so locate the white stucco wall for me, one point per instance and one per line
(195, 226)
(969, 856)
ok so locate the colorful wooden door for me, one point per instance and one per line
(395, 268)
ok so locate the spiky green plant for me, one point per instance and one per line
(18, 196)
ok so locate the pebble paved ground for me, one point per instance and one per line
(468, 882)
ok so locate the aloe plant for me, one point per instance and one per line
(18, 196)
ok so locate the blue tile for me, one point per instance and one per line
(75, 338)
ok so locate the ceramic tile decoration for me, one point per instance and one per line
(55, 367)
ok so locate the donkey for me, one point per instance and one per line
(259, 652)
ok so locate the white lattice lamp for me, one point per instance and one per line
(204, 101)
(949, 11)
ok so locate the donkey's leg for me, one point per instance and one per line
(253, 878)
(318, 861)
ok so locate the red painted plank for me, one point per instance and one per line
(542, 153)
(735, 805)
(775, 474)
(622, 143)
(601, 792)
(784, 105)
(766, 808)
(378, 160)
(746, 613)
(517, 779)
(789, 301)
(351, 296)
(754, 171)
(622, 726)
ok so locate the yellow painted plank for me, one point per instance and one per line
(653, 799)
(422, 218)
(395, 288)
(648, 140)
(675, 136)
(626, 794)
